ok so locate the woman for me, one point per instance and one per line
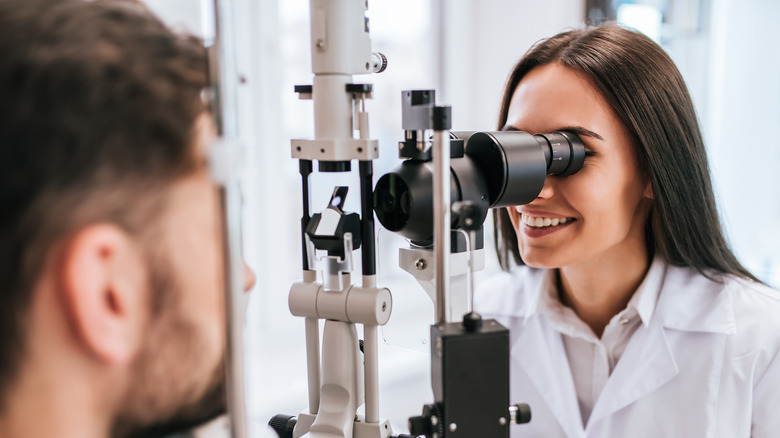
(632, 317)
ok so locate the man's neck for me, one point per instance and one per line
(56, 392)
(38, 406)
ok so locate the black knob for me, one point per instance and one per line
(522, 413)
(420, 425)
(428, 424)
(469, 215)
(283, 425)
(472, 321)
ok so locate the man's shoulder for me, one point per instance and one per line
(509, 293)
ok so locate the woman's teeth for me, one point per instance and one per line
(538, 222)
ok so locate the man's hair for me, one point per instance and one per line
(648, 94)
(98, 102)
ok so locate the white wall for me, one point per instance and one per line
(743, 128)
(482, 40)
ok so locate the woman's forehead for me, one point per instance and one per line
(552, 96)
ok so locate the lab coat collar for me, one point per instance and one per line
(672, 298)
(691, 302)
(642, 302)
(687, 301)
(646, 296)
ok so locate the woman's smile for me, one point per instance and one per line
(536, 225)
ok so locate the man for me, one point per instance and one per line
(111, 297)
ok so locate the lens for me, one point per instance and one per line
(391, 202)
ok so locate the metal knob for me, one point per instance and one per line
(378, 62)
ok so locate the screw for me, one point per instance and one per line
(502, 421)
(453, 427)
(420, 264)
(320, 44)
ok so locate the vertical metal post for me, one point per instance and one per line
(313, 361)
(222, 64)
(234, 309)
(441, 210)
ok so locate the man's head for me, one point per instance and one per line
(110, 267)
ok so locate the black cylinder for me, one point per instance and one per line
(334, 166)
(513, 164)
(283, 425)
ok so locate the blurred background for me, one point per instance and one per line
(464, 49)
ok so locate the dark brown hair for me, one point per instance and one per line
(99, 102)
(647, 93)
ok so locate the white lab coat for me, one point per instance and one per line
(705, 365)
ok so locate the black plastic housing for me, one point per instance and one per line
(470, 376)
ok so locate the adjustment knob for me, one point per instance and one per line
(283, 425)
(420, 425)
(378, 62)
(520, 413)
(428, 424)
(472, 321)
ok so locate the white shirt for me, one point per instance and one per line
(591, 359)
(706, 363)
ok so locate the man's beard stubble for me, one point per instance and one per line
(164, 397)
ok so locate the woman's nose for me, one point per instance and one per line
(548, 188)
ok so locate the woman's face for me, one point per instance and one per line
(597, 215)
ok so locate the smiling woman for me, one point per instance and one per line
(637, 308)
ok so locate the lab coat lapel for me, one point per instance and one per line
(646, 365)
(539, 351)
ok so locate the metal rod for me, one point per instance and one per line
(472, 245)
(234, 310)
(367, 217)
(223, 71)
(371, 360)
(313, 362)
(305, 169)
(441, 222)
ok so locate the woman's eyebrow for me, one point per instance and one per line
(576, 129)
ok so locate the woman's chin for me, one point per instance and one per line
(539, 262)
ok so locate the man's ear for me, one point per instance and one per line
(102, 282)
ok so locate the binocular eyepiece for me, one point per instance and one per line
(494, 169)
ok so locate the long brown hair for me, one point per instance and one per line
(647, 93)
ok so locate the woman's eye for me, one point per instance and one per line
(589, 153)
